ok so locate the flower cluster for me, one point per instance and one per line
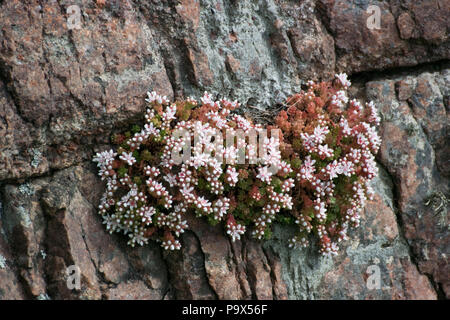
(312, 168)
(179, 163)
(330, 142)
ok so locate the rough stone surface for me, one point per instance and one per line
(415, 151)
(63, 92)
(56, 226)
(378, 242)
(409, 32)
(10, 288)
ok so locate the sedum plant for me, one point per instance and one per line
(311, 167)
(149, 191)
(330, 141)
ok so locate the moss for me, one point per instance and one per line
(135, 128)
(121, 172)
(146, 155)
(297, 144)
(267, 234)
(296, 163)
(137, 180)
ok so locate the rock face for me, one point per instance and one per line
(415, 151)
(64, 91)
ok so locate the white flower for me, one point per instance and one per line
(320, 209)
(332, 169)
(171, 179)
(242, 123)
(112, 223)
(104, 158)
(230, 155)
(342, 77)
(235, 231)
(207, 99)
(373, 116)
(346, 130)
(151, 130)
(346, 168)
(231, 176)
(170, 113)
(264, 174)
(171, 245)
(203, 204)
(153, 96)
(325, 151)
(128, 157)
(146, 213)
(340, 98)
(187, 192)
(137, 237)
(308, 169)
(220, 208)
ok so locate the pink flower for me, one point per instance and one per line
(332, 144)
